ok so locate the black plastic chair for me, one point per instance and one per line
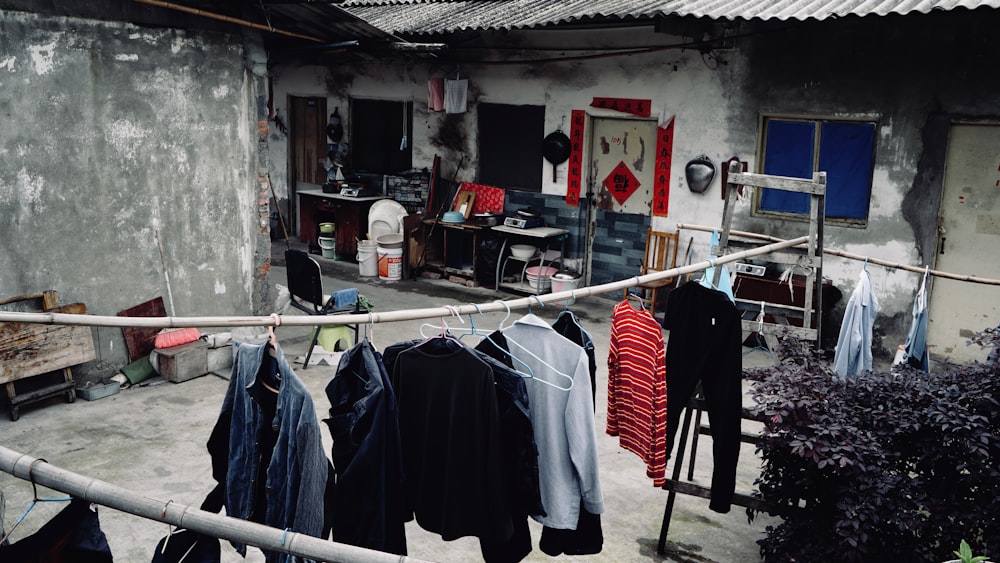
(305, 284)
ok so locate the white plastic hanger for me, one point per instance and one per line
(642, 304)
(544, 363)
(445, 334)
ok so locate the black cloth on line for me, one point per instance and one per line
(73, 535)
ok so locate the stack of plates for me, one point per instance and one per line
(453, 217)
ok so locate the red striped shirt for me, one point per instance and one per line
(637, 388)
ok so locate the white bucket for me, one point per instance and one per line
(390, 263)
(328, 246)
(565, 282)
(367, 260)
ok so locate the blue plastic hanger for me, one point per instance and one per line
(35, 500)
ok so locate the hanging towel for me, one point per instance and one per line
(435, 94)
(456, 94)
(854, 346)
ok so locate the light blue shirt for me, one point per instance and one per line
(854, 347)
(563, 421)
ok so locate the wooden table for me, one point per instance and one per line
(539, 237)
(349, 215)
(456, 256)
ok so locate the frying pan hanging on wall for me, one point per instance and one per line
(555, 148)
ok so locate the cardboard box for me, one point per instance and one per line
(184, 362)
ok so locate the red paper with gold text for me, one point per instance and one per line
(624, 105)
(661, 177)
(577, 120)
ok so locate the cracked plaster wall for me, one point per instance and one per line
(120, 141)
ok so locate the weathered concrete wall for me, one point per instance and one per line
(129, 168)
(882, 66)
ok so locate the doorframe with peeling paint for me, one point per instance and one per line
(596, 191)
(970, 199)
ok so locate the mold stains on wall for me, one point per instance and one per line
(922, 201)
(451, 133)
(338, 82)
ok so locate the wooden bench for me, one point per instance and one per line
(30, 349)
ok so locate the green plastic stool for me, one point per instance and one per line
(332, 336)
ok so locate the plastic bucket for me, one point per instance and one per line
(328, 246)
(390, 263)
(540, 279)
(565, 281)
(367, 260)
(326, 228)
(390, 241)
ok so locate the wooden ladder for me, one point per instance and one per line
(810, 260)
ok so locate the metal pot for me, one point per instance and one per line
(487, 219)
(556, 148)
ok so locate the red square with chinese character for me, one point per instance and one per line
(621, 183)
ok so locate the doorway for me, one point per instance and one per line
(968, 237)
(620, 181)
(307, 148)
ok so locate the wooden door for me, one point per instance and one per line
(967, 244)
(307, 142)
(620, 173)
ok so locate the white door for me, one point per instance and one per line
(969, 243)
(622, 162)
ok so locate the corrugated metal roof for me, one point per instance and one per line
(416, 17)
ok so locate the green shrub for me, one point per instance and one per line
(896, 466)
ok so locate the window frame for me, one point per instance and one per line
(516, 135)
(392, 122)
(817, 120)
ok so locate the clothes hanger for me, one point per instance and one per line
(34, 501)
(527, 372)
(546, 364)
(503, 320)
(572, 317)
(444, 334)
(705, 281)
(272, 350)
(642, 304)
(542, 361)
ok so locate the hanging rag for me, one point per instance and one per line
(915, 350)
(725, 281)
(854, 346)
(456, 93)
(435, 94)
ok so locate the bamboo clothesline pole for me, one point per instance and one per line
(390, 316)
(844, 254)
(215, 525)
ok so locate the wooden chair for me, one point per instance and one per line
(661, 254)
(305, 283)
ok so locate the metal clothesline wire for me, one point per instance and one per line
(100, 492)
(844, 254)
(389, 316)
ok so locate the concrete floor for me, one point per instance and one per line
(151, 439)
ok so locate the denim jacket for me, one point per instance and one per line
(297, 468)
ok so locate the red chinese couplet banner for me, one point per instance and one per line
(626, 105)
(577, 119)
(664, 155)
